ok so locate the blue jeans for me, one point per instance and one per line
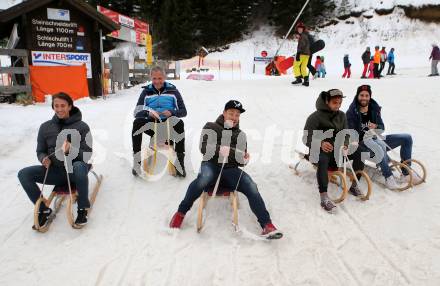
(393, 141)
(30, 176)
(207, 177)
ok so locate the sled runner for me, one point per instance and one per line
(150, 155)
(339, 177)
(58, 195)
(415, 169)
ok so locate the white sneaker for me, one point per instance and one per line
(391, 183)
(402, 179)
(416, 179)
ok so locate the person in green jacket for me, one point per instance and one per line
(323, 136)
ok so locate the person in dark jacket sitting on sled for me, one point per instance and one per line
(222, 142)
(53, 139)
(322, 151)
(364, 116)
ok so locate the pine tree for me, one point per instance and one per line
(176, 29)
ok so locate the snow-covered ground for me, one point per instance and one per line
(392, 239)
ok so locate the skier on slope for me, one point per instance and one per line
(50, 150)
(159, 101)
(363, 115)
(366, 61)
(224, 141)
(302, 56)
(327, 117)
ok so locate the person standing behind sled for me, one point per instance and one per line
(391, 65)
(159, 101)
(328, 117)
(347, 67)
(366, 61)
(215, 153)
(68, 121)
(302, 56)
(435, 56)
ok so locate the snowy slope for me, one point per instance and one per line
(5, 4)
(393, 239)
(363, 5)
(412, 40)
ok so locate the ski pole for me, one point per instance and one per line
(291, 27)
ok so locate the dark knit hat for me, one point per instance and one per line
(364, 87)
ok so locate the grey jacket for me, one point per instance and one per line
(304, 44)
(49, 131)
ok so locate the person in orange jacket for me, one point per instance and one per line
(377, 57)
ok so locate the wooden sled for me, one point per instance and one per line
(59, 194)
(411, 167)
(221, 193)
(92, 198)
(339, 177)
(150, 155)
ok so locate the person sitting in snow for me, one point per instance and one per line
(322, 152)
(223, 142)
(67, 122)
(302, 56)
(347, 67)
(159, 101)
(364, 116)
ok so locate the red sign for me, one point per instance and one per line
(109, 13)
(141, 28)
(264, 54)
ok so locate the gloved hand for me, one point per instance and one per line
(142, 114)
